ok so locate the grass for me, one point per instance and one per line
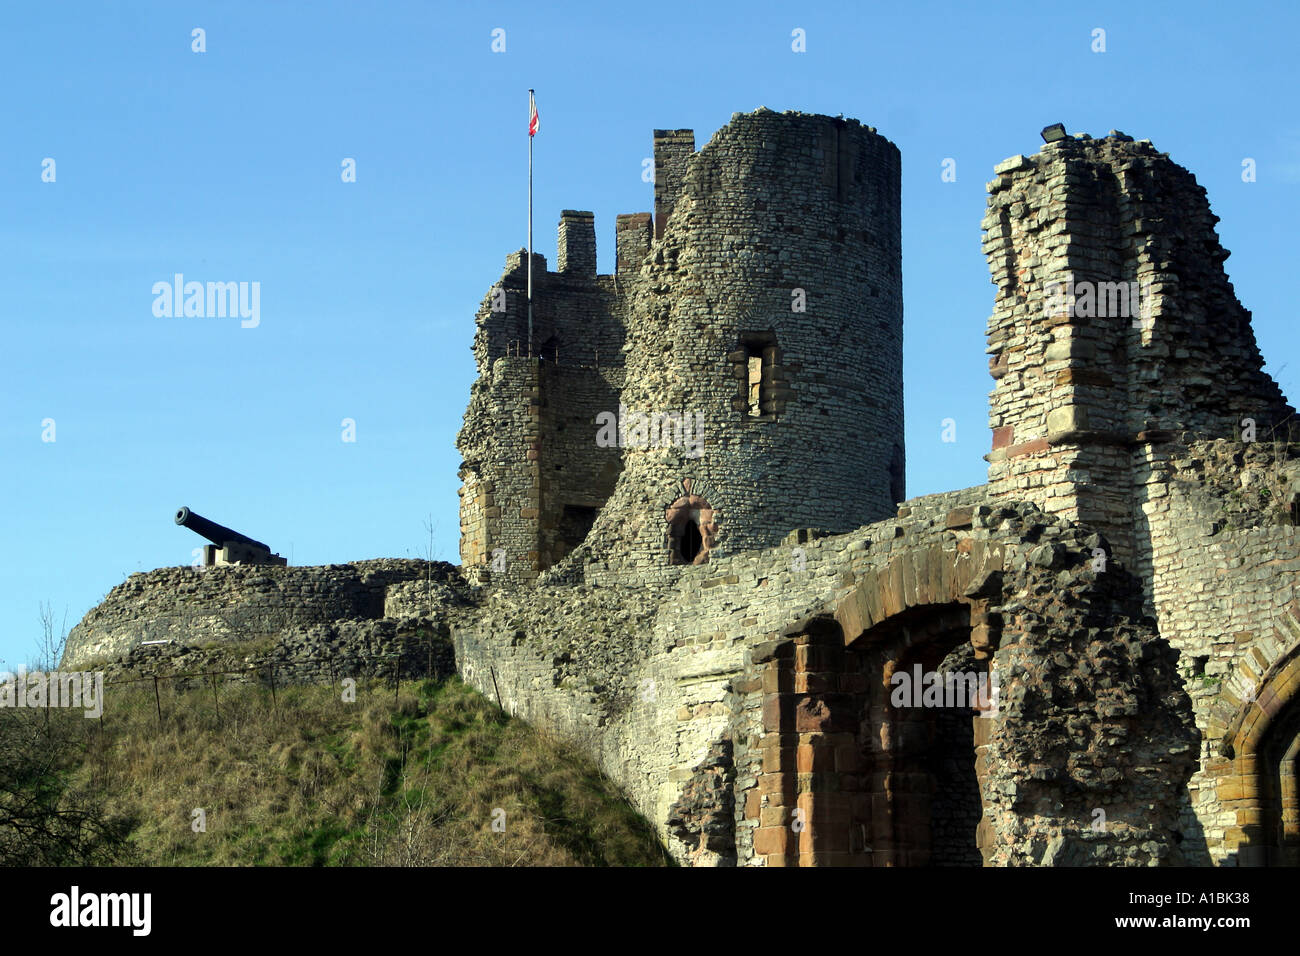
(314, 781)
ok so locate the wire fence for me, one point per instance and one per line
(202, 690)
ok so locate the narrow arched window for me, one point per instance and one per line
(692, 530)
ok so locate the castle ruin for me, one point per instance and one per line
(686, 546)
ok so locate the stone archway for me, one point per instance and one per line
(917, 737)
(692, 527)
(1263, 786)
(848, 778)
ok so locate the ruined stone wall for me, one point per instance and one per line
(501, 472)
(238, 603)
(528, 441)
(1136, 417)
(1088, 371)
(1222, 561)
(782, 245)
(387, 649)
(667, 685)
(577, 474)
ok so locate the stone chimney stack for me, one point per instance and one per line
(634, 232)
(673, 148)
(577, 243)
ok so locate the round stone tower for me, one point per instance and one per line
(764, 384)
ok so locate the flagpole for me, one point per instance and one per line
(530, 226)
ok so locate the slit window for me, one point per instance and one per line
(763, 389)
(754, 365)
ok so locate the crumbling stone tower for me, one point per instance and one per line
(1115, 330)
(533, 477)
(759, 384)
(1130, 397)
(770, 310)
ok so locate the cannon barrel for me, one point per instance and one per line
(216, 533)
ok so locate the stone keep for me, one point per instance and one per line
(749, 376)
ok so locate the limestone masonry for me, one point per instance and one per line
(686, 546)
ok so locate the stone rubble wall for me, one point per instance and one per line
(410, 648)
(1222, 559)
(654, 681)
(241, 603)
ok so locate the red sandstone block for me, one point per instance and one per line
(812, 714)
(781, 798)
(772, 840)
(1028, 448)
(777, 785)
(814, 683)
(813, 758)
(814, 658)
(778, 759)
(774, 816)
(773, 707)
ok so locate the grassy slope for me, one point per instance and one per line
(317, 781)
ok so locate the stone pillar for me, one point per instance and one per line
(673, 148)
(577, 243)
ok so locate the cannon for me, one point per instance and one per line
(227, 547)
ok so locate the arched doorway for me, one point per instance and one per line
(852, 775)
(692, 530)
(1264, 785)
(871, 746)
(917, 737)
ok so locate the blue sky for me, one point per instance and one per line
(225, 166)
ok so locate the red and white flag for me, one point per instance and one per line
(532, 114)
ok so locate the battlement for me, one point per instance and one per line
(577, 243)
